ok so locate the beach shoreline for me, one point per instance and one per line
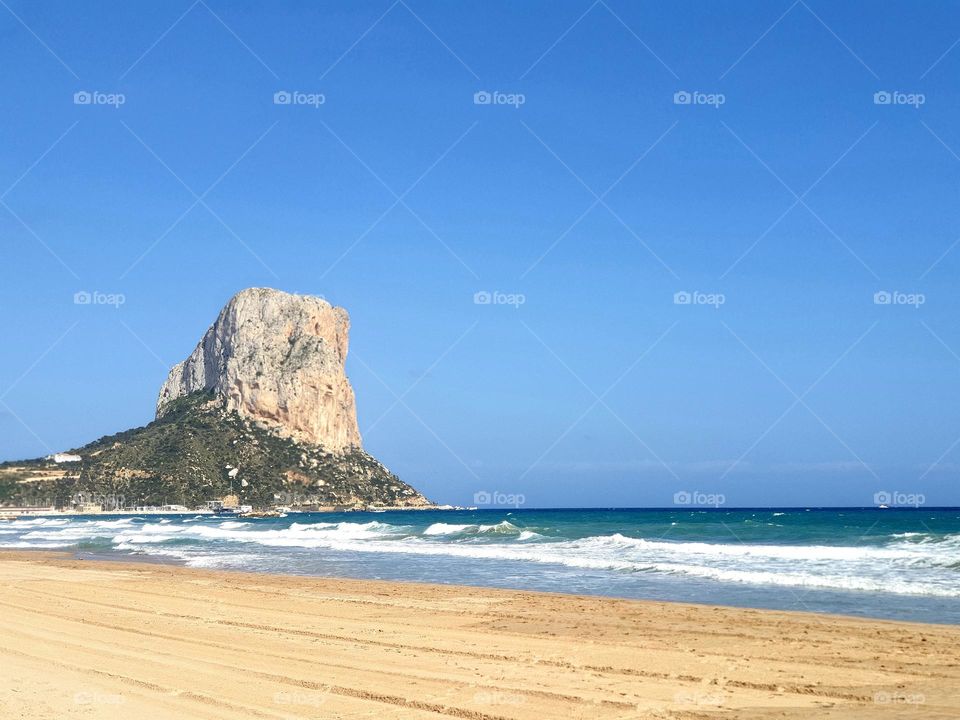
(110, 639)
(89, 557)
(868, 563)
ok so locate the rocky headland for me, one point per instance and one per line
(261, 411)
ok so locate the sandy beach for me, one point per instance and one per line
(92, 639)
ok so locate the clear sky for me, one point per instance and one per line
(782, 197)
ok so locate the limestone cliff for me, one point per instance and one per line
(277, 359)
(261, 411)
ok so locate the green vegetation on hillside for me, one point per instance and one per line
(197, 452)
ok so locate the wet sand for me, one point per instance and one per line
(92, 639)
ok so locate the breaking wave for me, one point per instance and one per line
(905, 563)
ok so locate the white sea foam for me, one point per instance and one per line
(297, 535)
(233, 525)
(445, 529)
(909, 563)
(52, 522)
(241, 562)
(38, 546)
(504, 527)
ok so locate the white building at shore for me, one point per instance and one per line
(64, 458)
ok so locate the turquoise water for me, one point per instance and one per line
(897, 563)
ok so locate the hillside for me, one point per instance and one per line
(198, 450)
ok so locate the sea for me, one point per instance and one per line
(893, 563)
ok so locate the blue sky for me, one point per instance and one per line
(782, 198)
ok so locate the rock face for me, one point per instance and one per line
(261, 411)
(277, 359)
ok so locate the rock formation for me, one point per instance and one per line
(261, 411)
(277, 359)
